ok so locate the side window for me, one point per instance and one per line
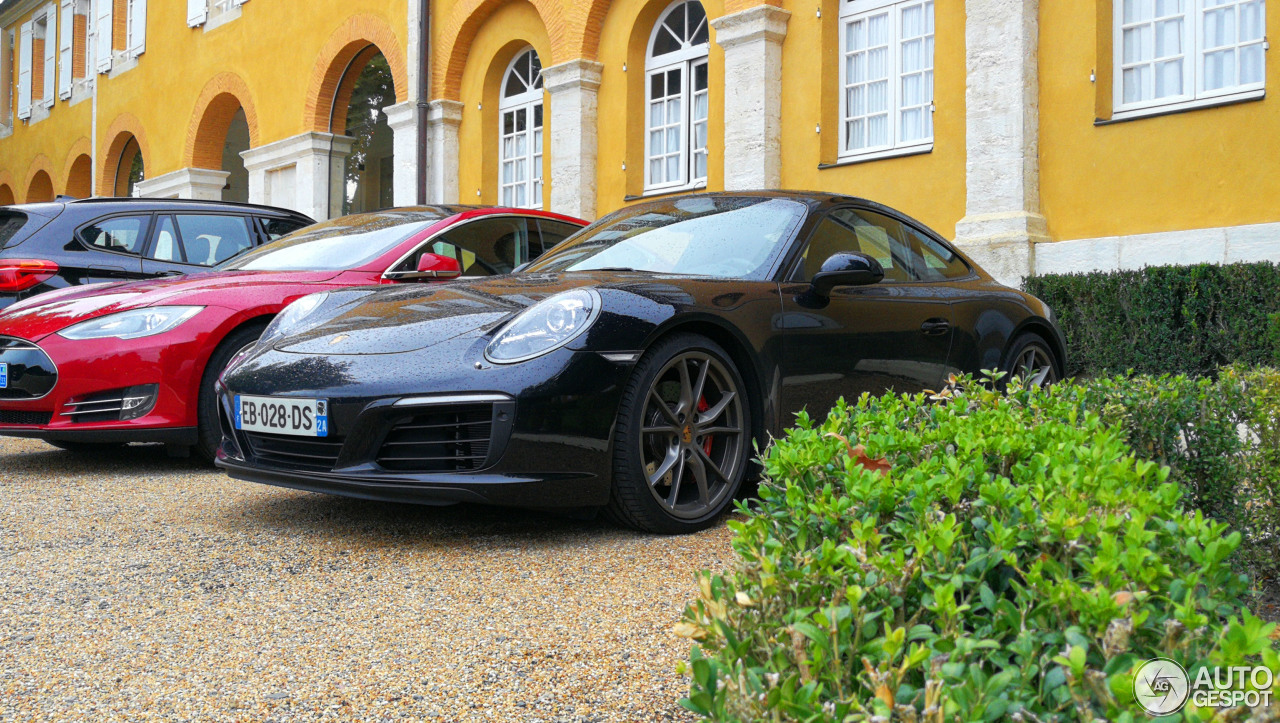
(935, 261)
(210, 240)
(857, 231)
(166, 247)
(552, 233)
(124, 234)
(487, 247)
(274, 228)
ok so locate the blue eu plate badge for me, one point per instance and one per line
(4, 375)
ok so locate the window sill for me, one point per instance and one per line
(1182, 107)
(6, 130)
(222, 18)
(123, 62)
(879, 156)
(659, 193)
(39, 111)
(81, 90)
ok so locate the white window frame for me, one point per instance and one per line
(8, 76)
(1193, 58)
(852, 11)
(687, 59)
(535, 139)
(135, 27)
(44, 25)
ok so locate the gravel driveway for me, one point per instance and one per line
(134, 587)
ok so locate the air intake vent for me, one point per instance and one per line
(446, 438)
(275, 450)
(25, 418)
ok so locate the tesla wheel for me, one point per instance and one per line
(683, 438)
(210, 430)
(1031, 358)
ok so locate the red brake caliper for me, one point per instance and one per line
(702, 407)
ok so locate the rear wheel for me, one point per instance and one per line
(1031, 358)
(683, 438)
(210, 429)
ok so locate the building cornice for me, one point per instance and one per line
(11, 11)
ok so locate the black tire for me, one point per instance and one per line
(705, 453)
(85, 448)
(1031, 358)
(210, 429)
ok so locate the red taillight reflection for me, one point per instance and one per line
(22, 274)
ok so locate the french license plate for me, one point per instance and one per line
(4, 376)
(283, 415)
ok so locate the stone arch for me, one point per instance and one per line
(351, 46)
(39, 184)
(77, 172)
(6, 194)
(224, 95)
(461, 28)
(124, 128)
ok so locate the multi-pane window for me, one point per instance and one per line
(677, 98)
(1176, 51)
(520, 129)
(886, 75)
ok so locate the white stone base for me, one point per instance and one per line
(752, 42)
(1003, 244)
(573, 87)
(403, 119)
(199, 183)
(443, 119)
(1226, 245)
(305, 173)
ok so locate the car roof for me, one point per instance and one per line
(108, 204)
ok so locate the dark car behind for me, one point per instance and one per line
(48, 246)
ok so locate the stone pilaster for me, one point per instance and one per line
(752, 42)
(574, 87)
(202, 184)
(403, 119)
(443, 119)
(305, 172)
(1002, 222)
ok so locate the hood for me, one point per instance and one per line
(405, 319)
(45, 314)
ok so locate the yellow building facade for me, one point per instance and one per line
(1042, 137)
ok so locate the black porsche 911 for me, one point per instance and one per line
(630, 368)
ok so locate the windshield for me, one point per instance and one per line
(343, 243)
(723, 236)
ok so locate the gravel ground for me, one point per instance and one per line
(134, 587)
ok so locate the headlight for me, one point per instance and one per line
(546, 326)
(132, 324)
(291, 320)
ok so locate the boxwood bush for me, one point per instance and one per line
(1166, 319)
(974, 556)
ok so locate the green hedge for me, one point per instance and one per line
(1015, 561)
(1174, 319)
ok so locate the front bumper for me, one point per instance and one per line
(536, 434)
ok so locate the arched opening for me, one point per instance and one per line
(676, 98)
(359, 111)
(41, 188)
(237, 142)
(80, 177)
(125, 165)
(6, 196)
(520, 133)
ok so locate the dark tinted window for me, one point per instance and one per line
(343, 243)
(123, 234)
(10, 225)
(487, 247)
(858, 231)
(935, 262)
(553, 232)
(277, 227)
(209, 240)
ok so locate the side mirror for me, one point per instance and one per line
(435, 266)
(846, 269)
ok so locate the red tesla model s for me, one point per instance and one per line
(136, 362)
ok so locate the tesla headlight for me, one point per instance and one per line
(548, 325)
(132, 324)
(294, 318)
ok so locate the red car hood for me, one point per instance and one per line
(42, 315)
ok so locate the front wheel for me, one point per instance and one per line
(210, 430)
(1031, 359)
(683, 438)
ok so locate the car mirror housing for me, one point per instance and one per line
(846, 269)
(435, 266)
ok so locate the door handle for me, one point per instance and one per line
(935, 326)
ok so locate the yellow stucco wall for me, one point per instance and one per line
(1205, 168)
(273, 54)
